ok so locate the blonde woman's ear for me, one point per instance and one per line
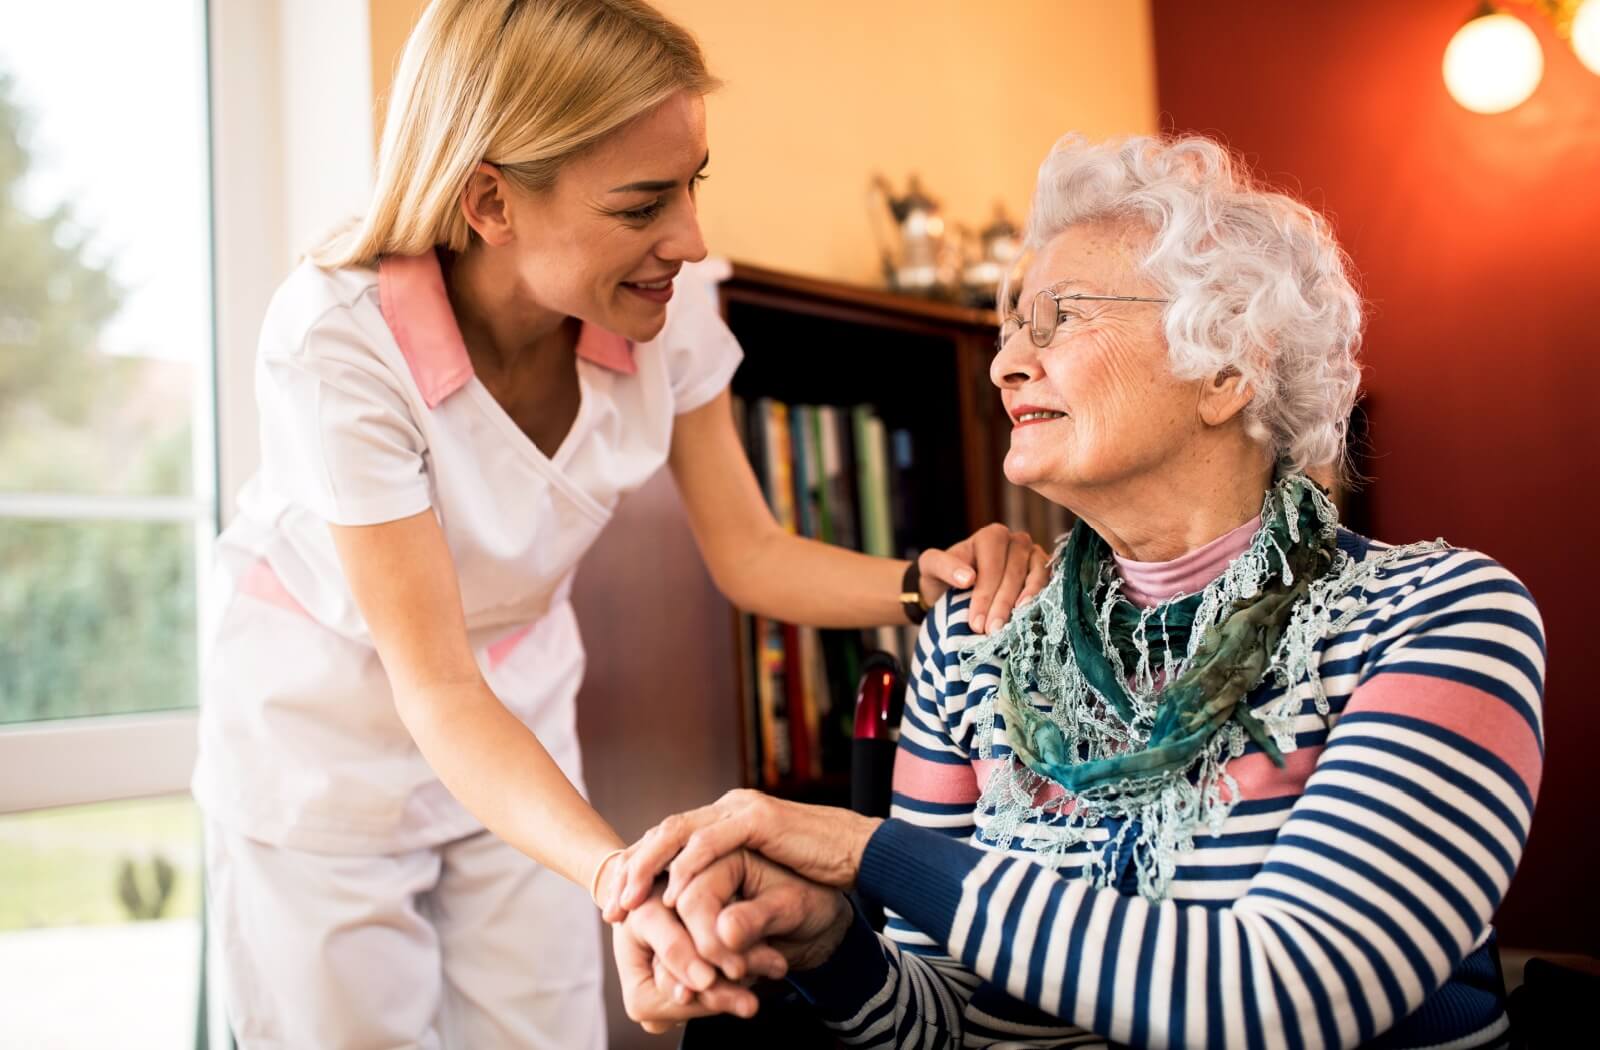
(484, 204)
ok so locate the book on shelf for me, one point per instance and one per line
(830, 473)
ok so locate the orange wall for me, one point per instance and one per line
(1476, 239)
(820, 95)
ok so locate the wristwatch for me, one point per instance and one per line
(911, 594)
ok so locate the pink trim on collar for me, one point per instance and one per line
(416, 307)
(606, 349)
(1149, 583)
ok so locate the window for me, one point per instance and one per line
(136, 140)
(106, 468)
(99, 925)
(107, 511)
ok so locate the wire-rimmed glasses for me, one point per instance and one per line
(1046, 314)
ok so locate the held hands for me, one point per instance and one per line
(742, 900)
(665, 982)
(746, 903)
(750, 912)
(820, 843)
(1002, 567)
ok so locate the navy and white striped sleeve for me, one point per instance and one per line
(901, 989)
(1384, 875)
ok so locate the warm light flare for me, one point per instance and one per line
(1586, 35)
(1493, 63)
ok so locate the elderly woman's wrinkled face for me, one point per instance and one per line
(1098, 405)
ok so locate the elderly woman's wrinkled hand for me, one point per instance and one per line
(823, 844)
(652, 948)
(744, 903)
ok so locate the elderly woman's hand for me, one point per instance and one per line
(744, 903)
(654, 997)
(821, 843)
(1010, 569)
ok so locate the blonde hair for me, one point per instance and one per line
(523, 84)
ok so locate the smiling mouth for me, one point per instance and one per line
(1040, 416)
(655, 292)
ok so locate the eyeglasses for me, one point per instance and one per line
(1046, 314)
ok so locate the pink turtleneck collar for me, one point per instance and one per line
(1147, 583)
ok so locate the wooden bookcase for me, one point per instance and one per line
(660, 709)
(924, 368)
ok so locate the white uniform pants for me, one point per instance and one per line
(465, 946)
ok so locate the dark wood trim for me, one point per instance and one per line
(978, 459)
(848, 301)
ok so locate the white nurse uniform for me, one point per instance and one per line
(354, 901)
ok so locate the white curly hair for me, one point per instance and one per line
(1257, 282)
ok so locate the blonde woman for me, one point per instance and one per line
(454, 395)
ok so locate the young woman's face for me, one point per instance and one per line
(606, 240)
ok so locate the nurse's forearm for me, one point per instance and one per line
(496, 767)
(804, 581)
(759, 566)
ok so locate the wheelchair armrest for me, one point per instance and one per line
(880, 700)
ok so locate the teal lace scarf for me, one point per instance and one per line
(1083, 705)
(1115, 643)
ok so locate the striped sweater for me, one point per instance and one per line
(1345, 902)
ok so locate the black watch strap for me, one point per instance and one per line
(911, 594)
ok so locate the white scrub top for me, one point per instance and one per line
(370, 412)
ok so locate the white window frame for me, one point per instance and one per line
(290, 119)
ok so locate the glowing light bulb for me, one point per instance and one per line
(1493, 63)
(1586, 35)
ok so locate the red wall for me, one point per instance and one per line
(1478, 239)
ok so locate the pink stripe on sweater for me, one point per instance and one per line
(1258, 778)
(261, 583)
(930, 781)
(1465, 710)
(1047, 792)
(983, 769)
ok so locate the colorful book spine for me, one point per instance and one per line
(780, 459)
(803, 480)
(835, 474)
(821, 499)
(772, 702)
(813, 700)
(796, 691)
(839, 501)
(901, 485)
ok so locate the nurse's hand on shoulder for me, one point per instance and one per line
(1003, 568)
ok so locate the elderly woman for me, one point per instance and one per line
(1238, 777)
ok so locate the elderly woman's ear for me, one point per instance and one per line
(1223, 397)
